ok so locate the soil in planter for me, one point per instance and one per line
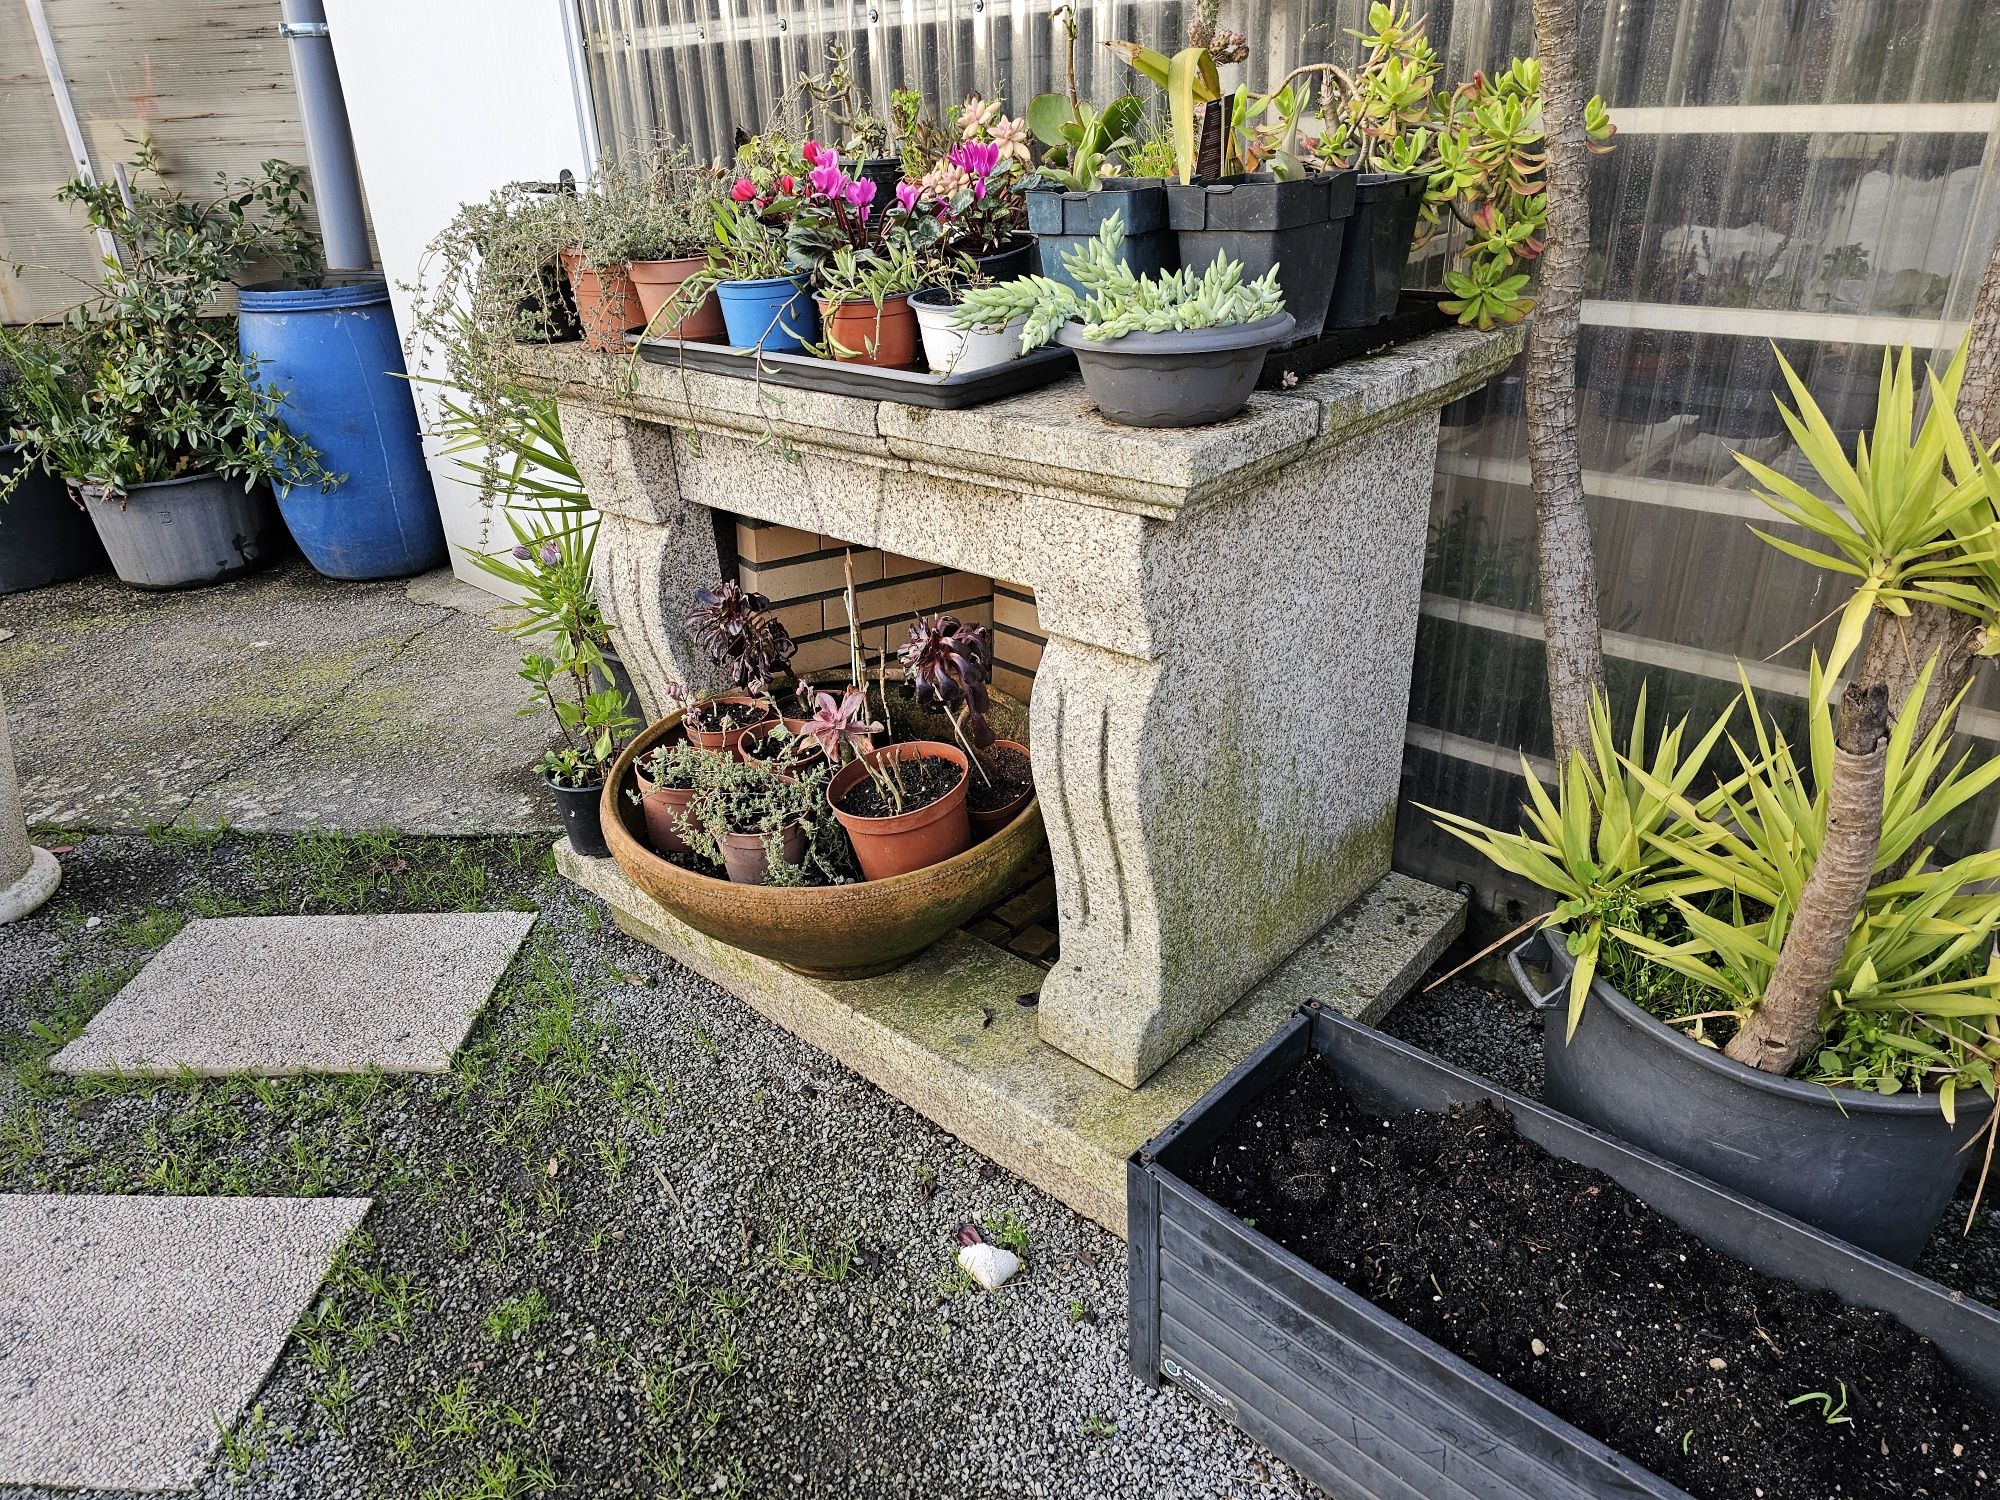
(717, 717)
(1674, 1354)
(924, 781)
(1009, 769)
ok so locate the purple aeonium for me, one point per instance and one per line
(733, 626)
(842, 723)
(946, 664)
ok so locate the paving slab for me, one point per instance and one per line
(133, 1331)
(275, 996)
(281, 701)
(947, 1034)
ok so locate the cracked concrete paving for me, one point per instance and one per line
(283, 701)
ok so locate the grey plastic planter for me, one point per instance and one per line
(1875, 1169)
(1297, 226)
(1358, 1401)
(182, 533)
(45, 537)
(1175, 379)
(1375, 249)
(1065, 222)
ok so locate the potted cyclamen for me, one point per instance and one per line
(550, 567)
(1175, 350)
(975, 190)
(867, 257)
(172, 466)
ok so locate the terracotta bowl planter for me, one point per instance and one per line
(986, 824)
(909, 841)
(830, 932)
(656, 282)
(606, 303)
(891, 340)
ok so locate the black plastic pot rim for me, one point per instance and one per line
(1272, 330)
(1373, 186)
(1540, 951)
(556, 786)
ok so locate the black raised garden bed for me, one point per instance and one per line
(835, 377)
(1363, 1404)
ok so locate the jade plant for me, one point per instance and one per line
(1116, 301)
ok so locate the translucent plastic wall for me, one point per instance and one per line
(1817, 177)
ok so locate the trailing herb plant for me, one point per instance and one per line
(1117, 301)
(146, 384)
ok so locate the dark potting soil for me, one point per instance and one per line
(1011, 777)
(719, 718)
(1556, 1281)
(924, 781)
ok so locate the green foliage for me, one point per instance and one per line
(146, 384)
(1116, 301)
(1084, 144)
(1596, 845)
(655, 205)
(755, 797)
(1912, 519)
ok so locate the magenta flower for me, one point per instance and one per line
(744, 190)
(828, 180)
(977, 158)
(861, 192)
(907, 194)
(811, 152)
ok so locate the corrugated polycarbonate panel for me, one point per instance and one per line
(1819, 178)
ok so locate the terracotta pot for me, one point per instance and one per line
(665, 810)
(986, 824)
(891, 342)
(606, 303)
(753, 745)
(830, 931)
(911, 840)
(656, 281)
(748, 863)
(726, 739)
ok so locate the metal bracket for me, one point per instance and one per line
(292, 30)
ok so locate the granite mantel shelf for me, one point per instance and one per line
(1217, 722)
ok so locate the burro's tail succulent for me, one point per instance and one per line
(1115, 301)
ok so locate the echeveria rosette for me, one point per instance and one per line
(946, 664)
(734, 627)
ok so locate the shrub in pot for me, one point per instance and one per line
(667, 778)
(947, 667)
(1176, 350)
(754, 821)
(764, 298)
(1773, 981)
(550, 569)
(45, 536)
(671, 199)
(146, 407)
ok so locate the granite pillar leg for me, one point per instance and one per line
(28, 875)
(654, 548)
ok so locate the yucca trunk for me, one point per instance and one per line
(1786, 1024)
(1567, 565)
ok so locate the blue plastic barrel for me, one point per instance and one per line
(334, 353)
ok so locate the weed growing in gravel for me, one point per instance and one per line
(791, 1250)
(1008, 1232)
(243, 1447)
(517, 1316)
(1098, 1427)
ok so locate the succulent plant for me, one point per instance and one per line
(735, 628)
(946, 663)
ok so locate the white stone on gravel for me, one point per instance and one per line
(283, 995)
(133, 1331)
(989, 1265)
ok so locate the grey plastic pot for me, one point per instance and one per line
(1875, 1169)
(182, 533)
(1183, 379)
(45, 537)
(1065, 222)
(1375, 249)
(1297, 226)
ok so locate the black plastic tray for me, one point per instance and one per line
(1361, 1403)
(834, 377)
(1416, 315)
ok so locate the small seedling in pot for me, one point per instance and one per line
(1831, 1411)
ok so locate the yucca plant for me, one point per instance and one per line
(1597, 845)
(1911, 517)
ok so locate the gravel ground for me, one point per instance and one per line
(1488, 1030)
(639, 1242)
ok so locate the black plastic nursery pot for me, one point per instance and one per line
(1875, 1169)
(1064, 222)
(1375, 248)
(183, 533)
(884, 171)
(45, 537)
(1184, 379)
(1297, 226)
(1357, 1400)
(581, 809)
(1010, 262)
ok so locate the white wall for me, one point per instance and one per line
(449, 99)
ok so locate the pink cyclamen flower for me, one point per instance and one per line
(811, 152)
(977, 157)
(828, 180)
(907, 194)
(861, 193)
(786, 184)
(744, 190)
